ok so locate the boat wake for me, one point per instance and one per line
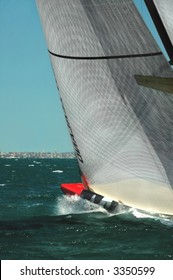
(163, 219)
(67, 205)
(136, 214)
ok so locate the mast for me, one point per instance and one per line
(161, 29)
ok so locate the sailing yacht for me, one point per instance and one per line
(116, 89)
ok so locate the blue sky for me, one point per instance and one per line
(31, 117)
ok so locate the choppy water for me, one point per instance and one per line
(38, 222)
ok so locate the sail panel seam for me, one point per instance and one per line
(105, 57)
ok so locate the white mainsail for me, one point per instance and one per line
(122, 132)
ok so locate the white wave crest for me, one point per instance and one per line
(57, 171)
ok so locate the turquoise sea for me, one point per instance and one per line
(38, 222)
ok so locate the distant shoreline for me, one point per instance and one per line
(36, 155)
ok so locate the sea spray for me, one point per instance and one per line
(76, 205)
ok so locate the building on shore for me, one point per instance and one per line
(36, 155)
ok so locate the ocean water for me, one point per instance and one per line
(38, 222)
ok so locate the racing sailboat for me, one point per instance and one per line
(116, 89)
